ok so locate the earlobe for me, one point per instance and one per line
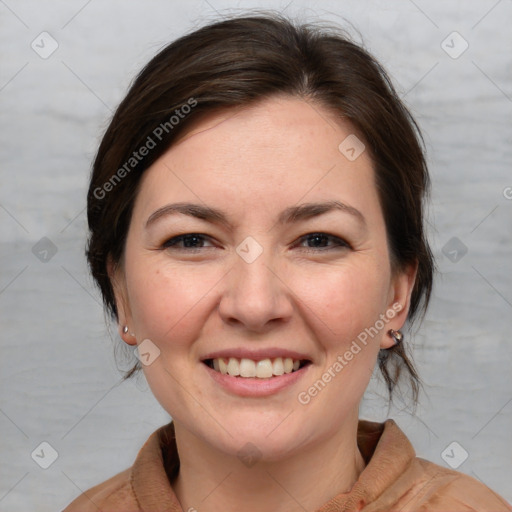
(397, 336)
(117, 281)
(126, 335)
(400, 295)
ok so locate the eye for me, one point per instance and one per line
(189, 241)
(316, 242)
(320, 241)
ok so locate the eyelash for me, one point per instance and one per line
(172, 242)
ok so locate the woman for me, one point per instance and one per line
(256, 230)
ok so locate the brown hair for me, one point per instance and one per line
(236, 62)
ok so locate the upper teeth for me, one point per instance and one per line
(262, 369)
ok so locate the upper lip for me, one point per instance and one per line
(255, 354)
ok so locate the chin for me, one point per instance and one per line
(270, 436)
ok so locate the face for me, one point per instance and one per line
(256, 244)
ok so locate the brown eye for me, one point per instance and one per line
(323, 241)
(187, 241)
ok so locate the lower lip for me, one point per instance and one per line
(252, 386)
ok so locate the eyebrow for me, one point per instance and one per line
(290, 215)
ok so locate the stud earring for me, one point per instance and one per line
(397, 336)
(125, 329)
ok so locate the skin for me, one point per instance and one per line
(253, 163)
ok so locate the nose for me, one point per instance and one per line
(256, 295)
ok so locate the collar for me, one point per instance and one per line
(385, 448)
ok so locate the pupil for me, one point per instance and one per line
(191, 238)
(318, 238)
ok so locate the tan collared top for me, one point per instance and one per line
(394, 479)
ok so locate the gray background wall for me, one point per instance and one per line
(59, 379)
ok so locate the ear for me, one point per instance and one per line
(124, 316)
(402, 284)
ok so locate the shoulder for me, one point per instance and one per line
(113, 495)
(441, 489)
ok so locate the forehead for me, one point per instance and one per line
(283, 124)
(280, 149)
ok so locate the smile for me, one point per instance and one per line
(260, 369)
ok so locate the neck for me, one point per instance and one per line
(211, 481)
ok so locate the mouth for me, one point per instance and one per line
(268, 368)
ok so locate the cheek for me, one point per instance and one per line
(166, 302)
(344, 299)
(344, 312)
